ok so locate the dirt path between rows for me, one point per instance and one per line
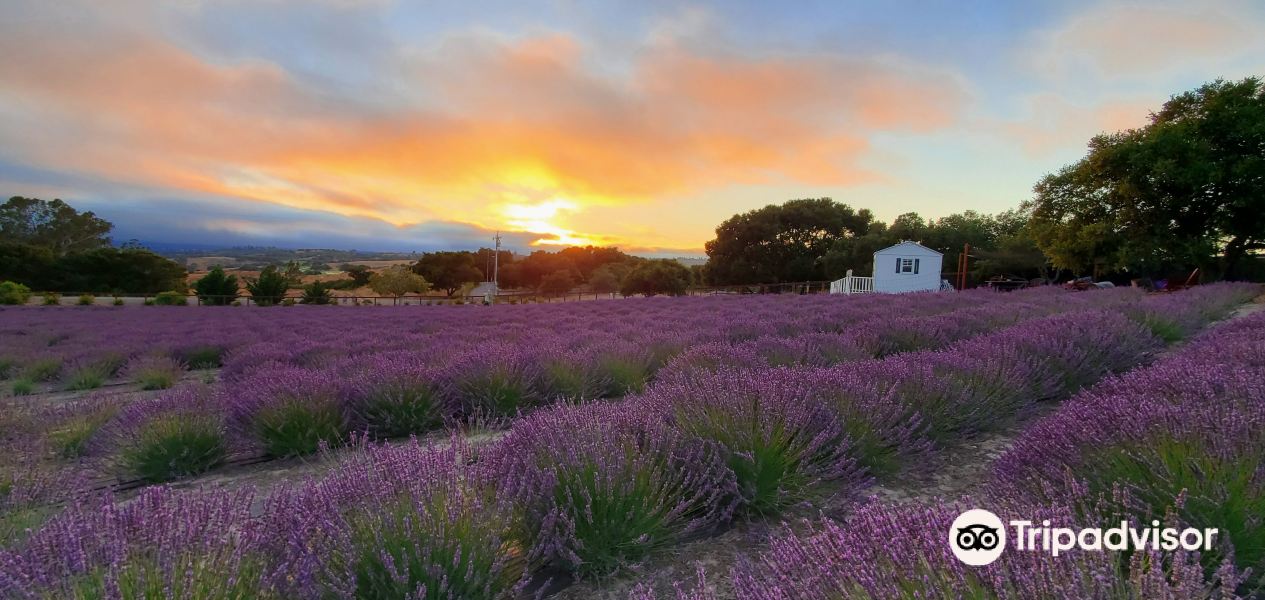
(949, 473)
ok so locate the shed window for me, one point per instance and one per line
(907, 265)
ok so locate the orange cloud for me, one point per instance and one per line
(1132, 39)
(494, 122)
(1053, 123)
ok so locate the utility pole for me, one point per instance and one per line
(496, 265)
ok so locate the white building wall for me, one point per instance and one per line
(888, 280)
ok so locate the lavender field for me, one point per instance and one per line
(574, 449)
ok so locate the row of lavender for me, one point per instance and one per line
(580, 490)
(1178, 442)
(279, 409)
(63, 346)
(83, 348)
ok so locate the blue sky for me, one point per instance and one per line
(393, 125)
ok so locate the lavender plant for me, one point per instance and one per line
(394, 398)
(599, 486)
(154, 372)
(180, 434)
(776, 437)
(292, 411)
(163, 544)
(413, 521)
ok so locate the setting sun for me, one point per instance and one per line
(542, 219)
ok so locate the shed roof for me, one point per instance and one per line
(906, 245)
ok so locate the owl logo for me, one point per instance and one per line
(977, 537)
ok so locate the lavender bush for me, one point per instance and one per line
(397, 397)
(154, 372)
(406, 521)
(163, 544)
(599, 486)
(292, 411)
(180, 434)
(776, 437)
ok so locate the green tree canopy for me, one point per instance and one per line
(781, 242)
(653, 277)
(360, 274)
(52, 224)
(217, 288)
(269, 288)
(558, 282)
(1180, 192)
(397, 281)
(447, 271)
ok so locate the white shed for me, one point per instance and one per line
(907, 267)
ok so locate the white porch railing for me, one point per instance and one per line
(852, 285)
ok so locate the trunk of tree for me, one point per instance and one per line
(1235, 252)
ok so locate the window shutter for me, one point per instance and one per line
(898, 261)
(916, 265)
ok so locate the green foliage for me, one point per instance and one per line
(175, 445)
(155, 378)
(86, 300)
(42, 369)
(148, 302)
(87, 377)
(398, 281)
(317, 292)
(207, 356)
(443, 541)
(297, 427)
(52, 224)
(653, 277)
(22, 386)
(269, 288)
(107, 270)
(217, 288)
(1172, 195)
(558, 282)
(30, 265)
(293, 273)
(447, 271)
(622, 376)
(51, 299)
(607, 278)
(1220, 490)
(359, 274)
(400, 409)
(117, 301)
(171, 299)
(148, 579)
(781, 243)
(14, 293)
(70, 439)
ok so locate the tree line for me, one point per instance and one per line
(48, 245)
(1184, 192)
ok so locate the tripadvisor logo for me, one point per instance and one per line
(978, 537)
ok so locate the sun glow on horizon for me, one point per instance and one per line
(540, 219)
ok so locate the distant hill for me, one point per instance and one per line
(256, 257)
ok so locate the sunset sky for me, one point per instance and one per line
(409, 125)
